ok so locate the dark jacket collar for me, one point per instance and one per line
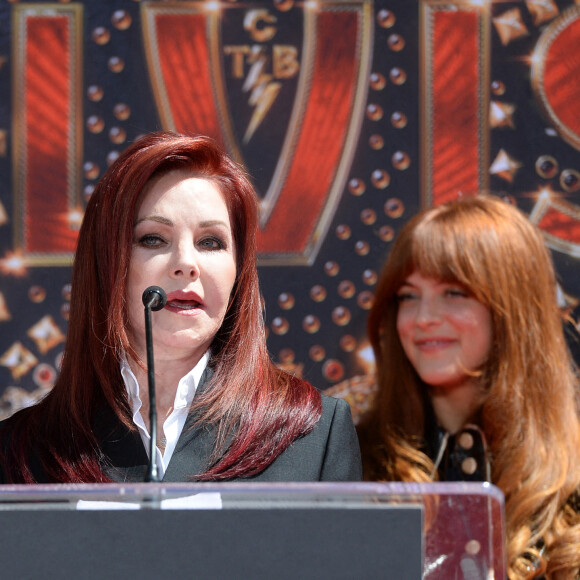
(460, 457)
(124, 458)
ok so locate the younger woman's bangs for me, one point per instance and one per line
(444, 253)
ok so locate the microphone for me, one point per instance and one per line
(154, 298)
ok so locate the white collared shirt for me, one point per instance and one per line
(173, 425)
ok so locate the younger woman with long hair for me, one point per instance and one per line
(174, 211)
(475, 381)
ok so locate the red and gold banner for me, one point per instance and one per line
(46, 132)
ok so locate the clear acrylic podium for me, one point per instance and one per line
(441, 531)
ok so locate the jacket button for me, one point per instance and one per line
(469, 466)
(466, 440)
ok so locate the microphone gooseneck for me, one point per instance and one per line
(154, 298)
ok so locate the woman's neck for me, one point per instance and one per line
(168, 373)
(456, 406)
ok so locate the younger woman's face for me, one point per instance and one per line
(445, 332)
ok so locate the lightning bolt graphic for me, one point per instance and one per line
(264, 91)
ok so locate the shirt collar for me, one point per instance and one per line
(186, 387)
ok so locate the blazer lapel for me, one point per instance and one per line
(124, 457)
(195, 444)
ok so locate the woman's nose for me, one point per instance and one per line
(428, 312)
(185, 263)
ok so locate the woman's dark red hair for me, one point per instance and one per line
(258, 409)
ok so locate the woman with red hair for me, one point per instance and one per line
(475, 382)
(176, 212)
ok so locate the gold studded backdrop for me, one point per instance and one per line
(349, 116)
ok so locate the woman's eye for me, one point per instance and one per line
(456, 293)
(212, 244)
(405, 296)
(150, 241)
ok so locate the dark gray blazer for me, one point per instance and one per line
(330, 452)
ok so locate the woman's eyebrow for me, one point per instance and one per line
(154, 218)
(212, 223)
(165, 221)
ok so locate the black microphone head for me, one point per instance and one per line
(154, 297)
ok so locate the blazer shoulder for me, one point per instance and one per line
(334, 409)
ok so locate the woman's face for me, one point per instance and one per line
(183, 242)
(445, 332)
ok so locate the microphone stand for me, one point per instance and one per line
(154, 298)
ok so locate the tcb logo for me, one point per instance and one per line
(282, 88)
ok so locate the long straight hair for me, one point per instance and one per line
(258, 409)
(530, 416)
